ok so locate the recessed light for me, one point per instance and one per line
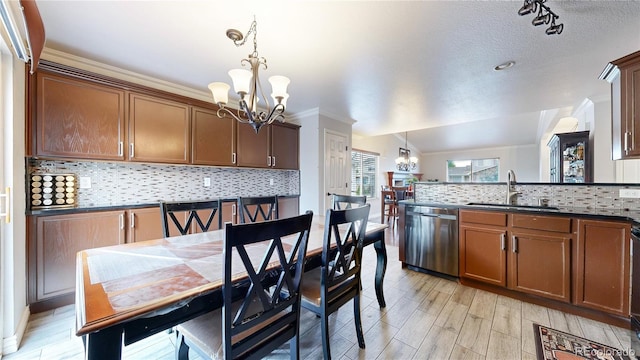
(504, 66)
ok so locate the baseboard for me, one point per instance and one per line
(10, 344)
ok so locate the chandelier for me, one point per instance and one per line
(406, 162)
(247, 84)
(545, 15)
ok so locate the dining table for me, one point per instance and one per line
(127, 292)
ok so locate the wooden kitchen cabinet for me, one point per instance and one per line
(53, 246)
(624, 76)
(159, 130)
(540, 264)
(602, 269)
(288, 206)
(213, 139)
(483, 255)
(284, 147)
(275, 146)
(78, 119)
(144, 224)
(525, 253)
(253, 149)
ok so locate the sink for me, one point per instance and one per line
(514, 207)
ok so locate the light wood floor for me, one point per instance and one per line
(426, 318)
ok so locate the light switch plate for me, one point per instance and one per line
(630, 193)
(207, 182)
(85, 182)
(271, 182)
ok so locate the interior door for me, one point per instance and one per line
(336, 165)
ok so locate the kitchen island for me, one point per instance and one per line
(572, 259)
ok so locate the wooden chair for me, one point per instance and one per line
(252, 209)
(342, 202)
(194, 210)
(398, 195)
(326, 288)
(266, 316)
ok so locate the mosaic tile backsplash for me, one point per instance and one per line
(116, 184)
(579, 196)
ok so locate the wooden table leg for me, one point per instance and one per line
(103, 344)
(381, 268)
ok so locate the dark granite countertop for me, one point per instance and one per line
(86, 209)
(629, 215)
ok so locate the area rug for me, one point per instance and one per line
(553, 344)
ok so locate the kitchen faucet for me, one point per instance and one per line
(511, 189)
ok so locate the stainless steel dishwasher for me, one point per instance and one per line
(431, 239)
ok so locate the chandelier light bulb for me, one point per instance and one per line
(220, 92)
(241, 80)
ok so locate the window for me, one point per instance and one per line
(364, 167)
(479, 170)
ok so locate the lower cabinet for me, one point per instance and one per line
(517, 251)
(288, 207)
(144, 224)
(573, 260)
(482, 254)
(602, 269)
(540, 264)
(55, 243)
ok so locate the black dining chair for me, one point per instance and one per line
(342, 202)
(337, 281)
(260, 208)
(268, 315)
(180, 216)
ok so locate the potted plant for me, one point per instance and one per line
(412, 181)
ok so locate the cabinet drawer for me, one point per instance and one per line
(544, 223)
(483, 217)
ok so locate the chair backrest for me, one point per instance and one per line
(254, 209)
(181, 215)
(344, 229)
(342, 202)
(399, 195)
(266, 317)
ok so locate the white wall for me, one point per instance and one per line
(310, 159)
(313, 125)
(523, 160)
(14, 287)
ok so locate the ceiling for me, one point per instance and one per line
(426, 67)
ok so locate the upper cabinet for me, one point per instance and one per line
(275, 146)
(570, 159)
(78, 119)
(213, 140)
(284, 146)
(624, 76)
(159, 130)
(79, 115)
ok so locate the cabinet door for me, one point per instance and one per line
(144, 224)
(253, 149)
(213, 139)
(483, 254)
(540, 264)
(284, 147)
(60, 237)
(602, 266)
(159, 130)
(78, 119)
(229, 212)
(288, 207)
